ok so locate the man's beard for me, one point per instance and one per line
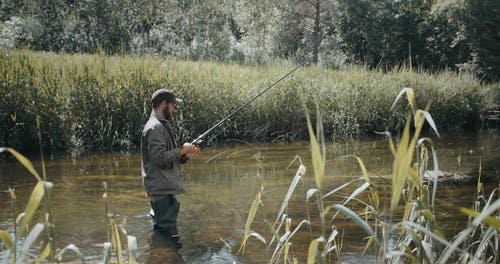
(167, 113)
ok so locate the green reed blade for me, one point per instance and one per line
(132, 249)
(36, 197)
(298, 176)
(400, 166)
(116, 241)
(334, 190)
(106, 253)
(7, 239)
(360, 222)
(317, 159)
(483, 245)
(313, 249)
(356, 192)
(488, 220)
(430, 121)
(23, 160)
(368, 244)
(488, 210)
(409, 94)
(275, 231)
(70, 247)
(331, 239)
(45, 253)
(29, 242)
(228, 246)
(251, 215)
(310, 193)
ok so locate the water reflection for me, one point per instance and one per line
(164, 249)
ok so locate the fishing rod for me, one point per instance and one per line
(199, 140)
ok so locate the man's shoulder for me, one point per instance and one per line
(152, 123)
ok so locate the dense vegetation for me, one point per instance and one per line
(461, 35)
(90, 102)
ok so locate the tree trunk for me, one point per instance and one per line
(317, 32)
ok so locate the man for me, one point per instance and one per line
(161, 162)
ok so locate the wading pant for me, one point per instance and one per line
(166, 210)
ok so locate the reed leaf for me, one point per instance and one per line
(258, 237)
(36, 197)
(411, 98)
(251, 215)
(7, 239)
(368, 244)
(331, 239)
(334, 190)
(435, 168)
(373, 191)
(356, 192)
(132, 249)
(284, 240)
(429, 257)
(488, 220)
(400, 166)
(430, 121)
(360, 222)
(285, 254)
(106, 253)
(29, 242)
(23, 160)
(281, 241)
(116, 241)
(313, 249)
(481, 248)
(228, 246)
(45, 253)
(454, 246)
(487, 211)
(275, 231)
(363, 168)
(310, 193)
(70, 247)
(298, 176)
(318, 160)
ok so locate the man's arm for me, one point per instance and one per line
(157, 146)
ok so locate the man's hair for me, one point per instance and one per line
(161, 95)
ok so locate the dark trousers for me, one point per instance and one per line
(166, 211)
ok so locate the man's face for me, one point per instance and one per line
(168, 110)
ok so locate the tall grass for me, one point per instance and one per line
(414, 237)
(101, 102)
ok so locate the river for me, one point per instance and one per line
(221, 184)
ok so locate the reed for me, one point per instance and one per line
(99, 102)
(18, 245)
(419, 238)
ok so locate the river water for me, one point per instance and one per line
(221, 184)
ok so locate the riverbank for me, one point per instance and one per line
(99, 102)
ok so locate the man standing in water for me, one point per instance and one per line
(161, 162)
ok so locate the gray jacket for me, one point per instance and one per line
(161, 159)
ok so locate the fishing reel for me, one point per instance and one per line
(200, 143)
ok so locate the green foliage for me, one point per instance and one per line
(432, 35)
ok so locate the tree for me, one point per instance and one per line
(466, 36)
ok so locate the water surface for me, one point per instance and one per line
(221, 184)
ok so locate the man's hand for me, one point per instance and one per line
(189, 150)
(193, 153)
